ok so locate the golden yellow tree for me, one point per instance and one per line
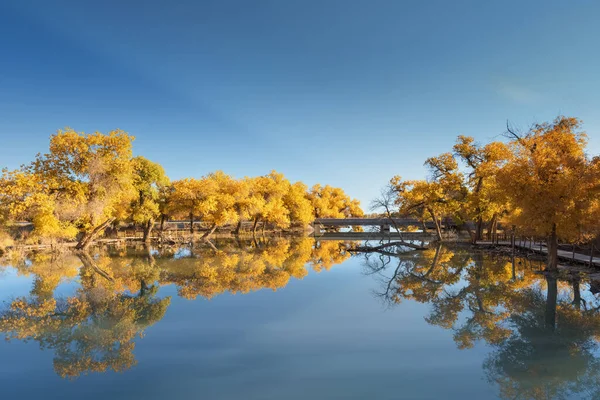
(332, 202)
(271, 189)
(483, 202)
(24, 197)
(442, 195)
(149, 180)
(186, 199)
(84, 182)
(248, 202)
(421, 199)
(222, 194)
(214, 199)
(551, 184)
(297, 203)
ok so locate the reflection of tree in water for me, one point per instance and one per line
(550, 352)
(95, 329)
(92, 331)
(544, 343)
(249, 266)
(416, 275)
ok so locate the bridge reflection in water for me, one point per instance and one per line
(404, 229)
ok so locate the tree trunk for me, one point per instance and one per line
(254, 226)
(479, 230)
(491, 226)
(212, 246)
(148, 230)
(437, 225)
(88, 237)
(149, 255)
(163, 217)
(466, 225)
(210, 231)
(238, 228)
(435, 259)
(143, 288)
(552, 250)
(512, 239)
(552, 295)
(88, 262)
(576, 293)
(512, 243)
(191, 223)
(495, 230)
(514, 270)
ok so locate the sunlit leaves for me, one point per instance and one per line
(550, 180)
(83, 181)
(149, 181)
(332, 202)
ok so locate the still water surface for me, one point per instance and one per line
(281, 319)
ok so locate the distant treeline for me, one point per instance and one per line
(540, 183)
(88, 182)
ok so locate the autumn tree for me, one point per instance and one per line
(216, 199)
(440, 196)
(247, 203)
(221, 194)
(551, 184)
(24, 196)
(183, 200)
(271, 189)
(483, 201)
(421, 199)
(149, 181)
(332, 202)
(83, 183)
(297, 203)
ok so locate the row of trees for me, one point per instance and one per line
(87, 182)
(541, 183)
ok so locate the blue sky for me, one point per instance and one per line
(348, 93)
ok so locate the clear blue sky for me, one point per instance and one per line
(346, 92)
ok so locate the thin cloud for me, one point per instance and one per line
(518, 93)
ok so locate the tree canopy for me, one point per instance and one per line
(541, 183)
(88, 182)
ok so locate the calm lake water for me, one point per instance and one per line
(283, 319)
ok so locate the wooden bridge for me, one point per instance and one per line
(384, 224)
(541, 248)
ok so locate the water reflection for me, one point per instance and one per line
(543, 333)
(116, 299)
(93, 330)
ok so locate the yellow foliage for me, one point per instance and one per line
(268, 265)
(83, 182)
(549, 181)
(5, 241)
(332, 202)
